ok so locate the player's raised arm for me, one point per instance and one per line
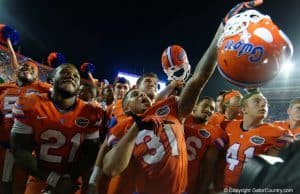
(13, 57)
(117, 159)
(203, 72)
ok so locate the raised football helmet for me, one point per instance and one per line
(252, 49)
(175, 63)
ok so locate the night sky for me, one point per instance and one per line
(130, 36)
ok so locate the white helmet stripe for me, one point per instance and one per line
(288, 41)
(170, 56)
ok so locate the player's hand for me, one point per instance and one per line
(153, 122)
(240, 8)
(178, 83)
(149, 122)
(138, 121)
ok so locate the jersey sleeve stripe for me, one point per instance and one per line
(93, 135)
(220, 143)
(112, 140)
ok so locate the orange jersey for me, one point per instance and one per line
(115, 109)
(216, 119)
(198, 138)
(123, 183)
(118, 109)
(116, 113)
(57, 136)
(9, 94)
(160, 160)
(286, 125)
(244, 145)
(219, 120)
(109, 110)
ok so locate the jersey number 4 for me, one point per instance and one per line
(155, 145)
(232, 155)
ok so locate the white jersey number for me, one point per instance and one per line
(193, 143)
(155, 145)
(232, 155)
(58, 140)
(8, 104)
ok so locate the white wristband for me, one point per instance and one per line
(94, 175)
(53, 179)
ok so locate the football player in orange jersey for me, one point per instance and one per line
(59, 127)
(251, 136)
(148, 83)
(155, 142)
(230, 106)
(120, 183)
(231, 110)
(115, 113)
(26, 82)
(293, 122)
(204, 143)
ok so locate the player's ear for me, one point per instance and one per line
(244, 110)
(50, 77)
(289, 111)
(51, 81)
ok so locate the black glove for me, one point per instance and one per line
(138, 120)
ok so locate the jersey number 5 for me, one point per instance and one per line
(8, 104)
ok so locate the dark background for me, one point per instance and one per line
(130, 35)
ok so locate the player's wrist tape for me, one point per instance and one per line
(53, 179)
(94, 175)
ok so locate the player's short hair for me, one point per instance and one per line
(91, 86)
(141, 78)
(53, 73)
(230, 94)
(205, 98)
(126, 96)
(247, 96)
(222, 92)
(121, 80)
(294, 101)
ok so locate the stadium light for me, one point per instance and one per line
(133, 78)
(286, 68)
